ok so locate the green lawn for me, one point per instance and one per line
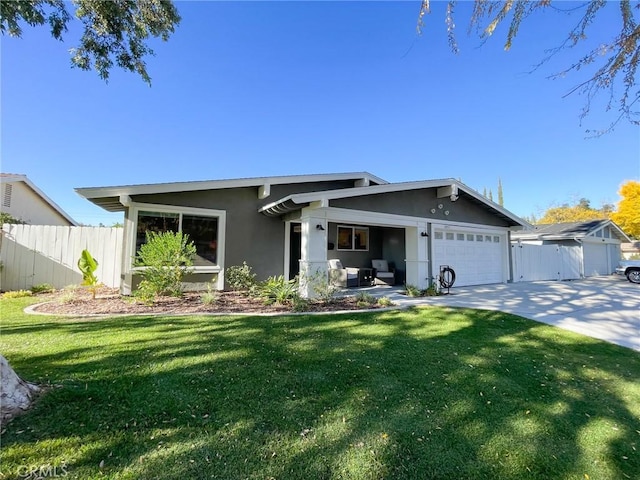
(415, 394)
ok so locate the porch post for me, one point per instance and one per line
(313, 261)
(417, 252)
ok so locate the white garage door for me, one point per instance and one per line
(599, 259)
(476, 258)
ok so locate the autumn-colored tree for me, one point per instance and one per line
(628, 214)
(580, 212)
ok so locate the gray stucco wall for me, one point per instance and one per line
(250, 236)
(418, 203)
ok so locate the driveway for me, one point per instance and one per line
(607, 308)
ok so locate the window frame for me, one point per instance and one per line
(221, 216)
(353, 229)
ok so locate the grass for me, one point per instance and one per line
(430, 393)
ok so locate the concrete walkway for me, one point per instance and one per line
(607, 308)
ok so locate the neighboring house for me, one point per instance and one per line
(593, 247)
(282, 225)
(21, 199)
(630, 250)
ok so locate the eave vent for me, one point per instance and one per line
(6, 197)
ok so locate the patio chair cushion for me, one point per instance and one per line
(383, 275)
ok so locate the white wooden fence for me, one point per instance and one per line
(545, 262)
(36, 254)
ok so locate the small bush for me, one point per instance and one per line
(210, 297)
(42, 288)
(385, 302)
(412, 290)
(299, 304)
(240, 277)
(364, 299)
(17, 294)
(278, 290)
(68, 294)
(166, 258)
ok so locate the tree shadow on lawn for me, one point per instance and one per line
(425, 393)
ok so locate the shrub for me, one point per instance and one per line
(240, 277)
(166, 258)
(210, 297)
(324, 290)
(42, 288)
(364, 299)
(385, 302)
(412, 290)
(278, 290)
(17, 294)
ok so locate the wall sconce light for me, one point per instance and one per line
(424, 234)
(319, 227)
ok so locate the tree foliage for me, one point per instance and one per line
(580, 212)
(627, 215)
(615, 59)
(115, 32)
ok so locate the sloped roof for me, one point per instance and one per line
(297, 201)
(568, 231)
(109, 197)
(17, 177)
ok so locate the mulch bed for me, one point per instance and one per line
(109, 302)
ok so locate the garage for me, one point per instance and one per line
(596, 242)
(478, 258)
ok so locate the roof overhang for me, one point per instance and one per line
(571, 235)
(448, 187)
(109, 197)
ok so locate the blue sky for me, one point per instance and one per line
(246, 89)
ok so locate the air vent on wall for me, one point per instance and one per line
(6, 198)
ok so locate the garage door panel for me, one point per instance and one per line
(476, 258)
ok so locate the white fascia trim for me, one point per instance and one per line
(144, 189)
(40, 193)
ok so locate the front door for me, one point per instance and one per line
(295, 249)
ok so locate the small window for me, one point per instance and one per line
(438, 235)
(449, 236)
(353, 238)
(460, 237)
(599, 234)
(470, 237)
(607, 232)
(479, 238)
(496, 239)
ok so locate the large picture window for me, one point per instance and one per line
(353, 238)
(202, 231)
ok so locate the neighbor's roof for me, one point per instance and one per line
(568, 231)
(17, 177)
(109, 197)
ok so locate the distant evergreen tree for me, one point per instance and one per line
(500, 195)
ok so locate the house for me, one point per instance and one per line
(288, 224)
(585, 249)
(24, 201)
(630, 250)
